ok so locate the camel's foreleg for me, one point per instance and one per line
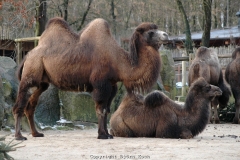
(102, 116)
(113, 93)
(215, 103)
(186, 134)
(30, 109)
(102, 95)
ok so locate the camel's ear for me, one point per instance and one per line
(134, 45)
(140, 30)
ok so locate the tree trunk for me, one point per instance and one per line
(85, 15)
(188, 41)
(42, 16)
(207, 22)
(215, 15)
(65, 7)
(113, 17)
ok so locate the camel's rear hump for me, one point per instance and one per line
(154, 99)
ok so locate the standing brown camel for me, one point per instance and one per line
(206, 65)
(232, 75)
(90, 61)
(156, 115)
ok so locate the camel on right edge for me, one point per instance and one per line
(206, 65)
(232, 75)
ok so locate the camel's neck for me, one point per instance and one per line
(197, 109)
(144, 74)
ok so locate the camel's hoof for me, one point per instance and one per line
(105, 136)
(38, 135)
(235, 121)
(110, 136)
(217, 121)
(21, 138)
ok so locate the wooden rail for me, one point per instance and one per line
(19, 46)
(186, 58)
(27, 39)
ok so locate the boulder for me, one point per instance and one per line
(168, 73)
(9, 87)
(1, 103)
(48, 108)
(81, 107)
(77, 106)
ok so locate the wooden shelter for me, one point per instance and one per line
(23, 45)
(218, 37)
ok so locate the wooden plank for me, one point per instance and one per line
(27, 39)
(181, 58)
(186, 58)
(225, 56)
(19, 53)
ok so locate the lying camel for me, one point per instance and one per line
(156, 115)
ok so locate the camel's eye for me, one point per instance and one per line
(208, 88)
(151, 33)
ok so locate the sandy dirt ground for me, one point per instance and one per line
(217, 141)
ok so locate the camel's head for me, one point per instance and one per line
(148, 33)
(236, 53)
(204, 89)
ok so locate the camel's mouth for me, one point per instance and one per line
(218, 93)
(163, 37)
(163, 41)
(215, 94)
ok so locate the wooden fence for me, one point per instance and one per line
(224, 55)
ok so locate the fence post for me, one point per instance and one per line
(19, 53)
(184, 79)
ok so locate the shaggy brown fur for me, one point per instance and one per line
(206, 65)
(232, 75)
(156, 115)
(90, 61)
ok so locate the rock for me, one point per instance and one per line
(81, 107)
(48, 108)
(1, 103)
(78, 106)
(168, 73)
(8, 87)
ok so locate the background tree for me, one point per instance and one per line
(188, 41)
(85, 15)
(41, 16)
(207, 7)
(19, 18)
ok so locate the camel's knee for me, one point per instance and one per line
(186, 134)
(44, 86)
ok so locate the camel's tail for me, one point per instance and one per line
(154, 99)
(226, 93)
(20, 68)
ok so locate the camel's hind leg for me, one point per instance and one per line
(237, 106)
(18, 108)
(30, 108)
